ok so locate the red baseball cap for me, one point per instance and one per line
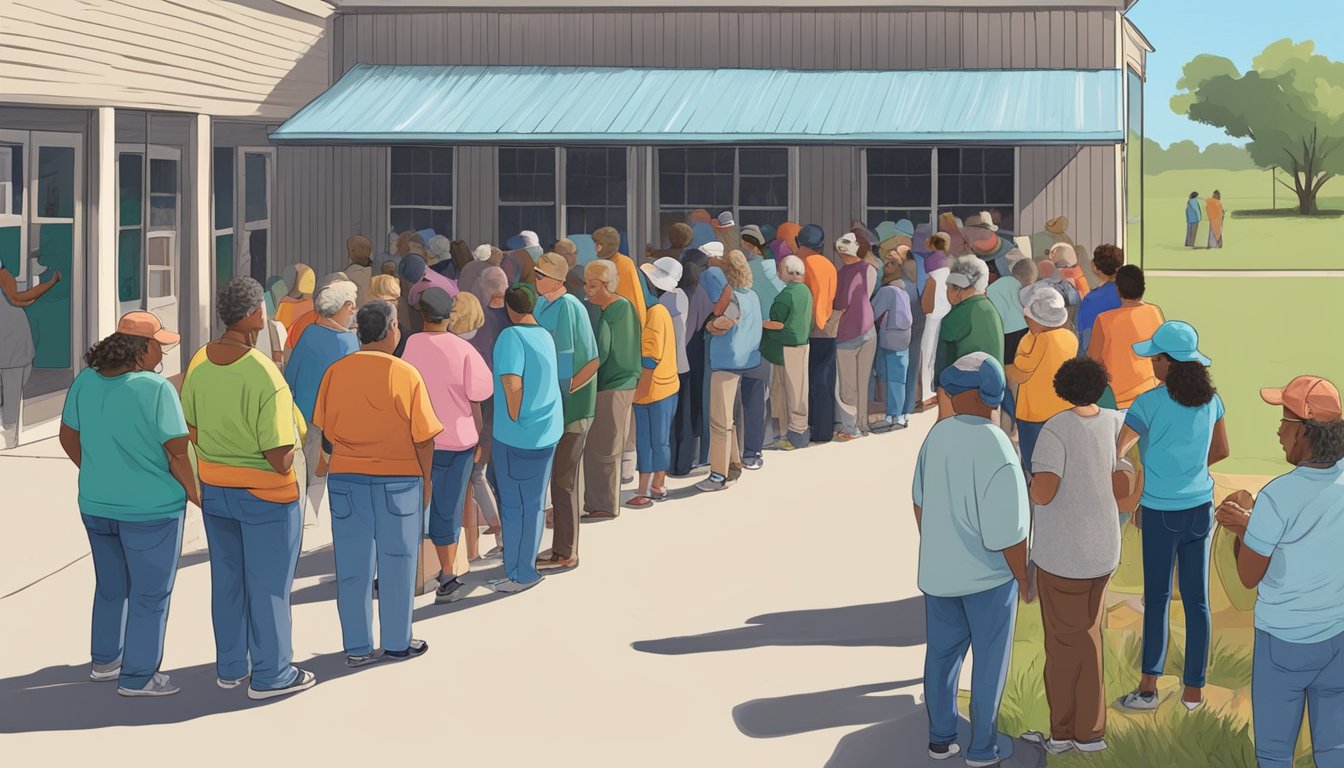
(146, 325)
(1310, 397)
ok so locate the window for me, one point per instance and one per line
(225, 207)
(1134, 171)
(163, 195)
(975, 180)
(899, 183)
(527, 192)
(595, 190)
(422, 189)
(11, 208)
(753, 183)
(55, 183)
(130, 225)
(162, 241)
(256, 185)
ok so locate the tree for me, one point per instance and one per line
(1290, 105)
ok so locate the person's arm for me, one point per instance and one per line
(725, 299)
(1005, 520)
(1096, 342)
(513, 393)
(479, 419)
(1026, 361)
(779, 312)
(179, 464)
(424, 454)
(1127, 440)
(1257, 534)
(1219, 448)
(1044, 487)
(585, 375)
(1016, 557)
(25, 298)
(919, 518)
(69, 439)
(927, 298)
(281, 458)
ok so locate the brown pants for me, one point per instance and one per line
(602, 453)
(565, 487)
(1071, 613)
(788, 391)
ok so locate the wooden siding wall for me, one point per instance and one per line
(828, 188)
(323, 195)
(1077, 182)
(772, 38)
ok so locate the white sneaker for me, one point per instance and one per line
(229, 685)
(158, 685)
(1138, 702)
(1096, 745)
(944, 751)
(509, 587)
(302, 682)
(983, 763)
(101, 673)
(1051, 745)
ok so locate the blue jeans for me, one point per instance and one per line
(448, 493)
(755, 386)
(653, 434)
(982, 622)
(893, 364)
(134, 565)
(821, 389)
(523, 475)
(1180, 539)
(1028, 432)
(376, 521)
(1284, 677)
(912, 371)
(254, 548)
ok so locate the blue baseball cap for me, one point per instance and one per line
(811, 236)
(1176, 340)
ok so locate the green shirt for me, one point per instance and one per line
(793, 308)
(575, 347)
(972, 326)
(123, 422)
(618, 346)
(240, 410)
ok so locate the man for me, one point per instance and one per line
(785, 344)
(574, 279)
(1214, 206)
(618, 349)
(458, 382)
(725, 229)
(970, 501)
(1005, 295)
(1106, 261)
(1193, 215)
(820, 278)
(379, 428)
(855, 339)
(528, 422)
(1287, 548)
(607, 241)
(765, 283)
(360, 268)
(564, 317)
(1065, 259)
(972, 325)
(326, 341)
(1115, 333)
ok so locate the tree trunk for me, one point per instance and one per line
(1306, 201)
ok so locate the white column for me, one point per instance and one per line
(198, 285)
(102, 281)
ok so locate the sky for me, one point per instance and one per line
(1180, 30)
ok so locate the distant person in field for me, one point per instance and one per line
(1192, 217)
(1214, 207)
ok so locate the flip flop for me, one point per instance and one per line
(598, 516)
(640, 502)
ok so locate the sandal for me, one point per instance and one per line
(657, 494)
(587, 516)
(640, 502)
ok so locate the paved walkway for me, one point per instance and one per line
(773, 624)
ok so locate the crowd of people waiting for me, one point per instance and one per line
(437, 390)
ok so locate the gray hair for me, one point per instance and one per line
(440, 248)
(603, 270)
(793, 266)
(374, 321)
(239, 298)
(331, 298)
(1025, 269)
(492, 282)
(973, 270)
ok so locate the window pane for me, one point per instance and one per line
(527, 175)
(163, 176)
(758, 216)
(163, 211)
(257, 245)
(672, 188)
(672, 160)
(422, 189)
(400, 191)
(999, 160)
(403, 219)
(588, 219)
(11, 157)
(128, 265)
(256, 207)
(223, 260)
(130, 188)
(55, 182)
(594, 176)
(538, 218)
(223, 181)
(443, 160)
(899, 178)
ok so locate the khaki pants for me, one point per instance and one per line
(602, 453)
(565, 487)
(724, 450)
(853, 369)
(1071, 613)
(788, 392)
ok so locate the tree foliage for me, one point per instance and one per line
(1289, 106)
(1186, 155)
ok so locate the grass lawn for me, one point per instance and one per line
(1289, 242)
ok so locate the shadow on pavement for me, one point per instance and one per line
(895, 624)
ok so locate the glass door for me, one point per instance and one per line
(163, 244)
(13, 188)
(255, 192)
(54, 235)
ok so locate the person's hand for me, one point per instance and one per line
(429, 493)
(56, 276)
(1025, 592)
(642, 390)
(1137, 519)
(1233, 516)
(194, 496)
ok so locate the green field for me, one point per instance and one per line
(1288, 242)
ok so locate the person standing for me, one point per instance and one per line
(658, 387)
(482, 257)
(734, 349)
(299, 301)
(529, 421)
(1214, 207)
(379, 428)
(1193, 215)
(891, 308)
(1287, 548)
(690, 440)
(855, 339)
(970, 504)
(910, 273)
(607, 242)
(466, 320)
(240, 414)
(1106, 262)
(1180, 433)
(1115, 333)
(564, 317)
(122, 427)
(1006, 296)
(821, 279)
(934, 301)
(360, 269)
(972, 325)
(1047, 346)
(16, 350)
(618, 349)
(785, 344)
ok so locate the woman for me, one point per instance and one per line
(299, 300)
(241, 416)
(855, 340)
(467, 321)
(385, 288)
(1047, 345)
(935, 305)
(690, 444)
(16, 349)
(734, 349)
(662, 358)
(122, 427)
(918, 322)
(1179, 429)
(891, 308)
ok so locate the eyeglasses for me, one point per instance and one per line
(1292, 421)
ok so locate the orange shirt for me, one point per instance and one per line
(628, 285)
(1074, 275)
(1119, 330)
(1041, 357)
(374, 408)
(820, 277)
(296, 330)
(289, 310)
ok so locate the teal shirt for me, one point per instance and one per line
(123, 423)
(1174, 445)
(970, 486)
(575, 347)
(1004, 295)
(526, 351)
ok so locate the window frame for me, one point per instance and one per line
(655, 182)
(452, 209)
(562, 189)
(558, 192)
(19, 218)
(934, 207)
(240, 206)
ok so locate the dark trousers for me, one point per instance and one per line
(755, 385)
(1010, 342)
(1177, 540)
(689, 441)
(821, 389)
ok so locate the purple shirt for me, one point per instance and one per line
(496, 320)
(431, 279)
(851, 295)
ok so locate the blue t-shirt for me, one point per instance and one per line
(1103, 298)
(712, 282)
(318, 348)
(1298, 523)
(123, 423)
(970, 486)
(1193, 213)
(740, 348)
(528, 351)
(1174, 447)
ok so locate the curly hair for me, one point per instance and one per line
(119, 350)
(1081, 381)
(736, 269)
(1189, 383)
(1129, 282)
(239, 298)
(1106, 259)
(1326, 439)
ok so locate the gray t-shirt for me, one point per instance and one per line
(1077, 535)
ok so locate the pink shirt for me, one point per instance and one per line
(455, 376)
(431, 279)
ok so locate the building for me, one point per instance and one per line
(261, 133)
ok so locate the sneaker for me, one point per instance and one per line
(755, 462)
(509, 586)
(494, 553)
(101, 673)
(1135, 701)
(1191, 706)
(712, 483)
(229, 685)
(416, 648)
(902, 422)
(373, 657)
(943, 751)
(783, 445)
(158, 685)
(734, 473)
(884, 424)
(302, 682)
(983, 763)
(1053, 746)
(657, 494)
(449, 591)
(1095, 745)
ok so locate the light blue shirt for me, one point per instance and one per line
(1005, 294)
(528, 352)
(1193, 213)
(1174, 447)
(1298, 523)
(318, 348)
(740, 348)
(970, 486)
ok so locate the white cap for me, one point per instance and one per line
(1044, 304)
(713, 249)
(664, 273)
(484, 251)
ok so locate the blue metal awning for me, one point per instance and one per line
(375, 104)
